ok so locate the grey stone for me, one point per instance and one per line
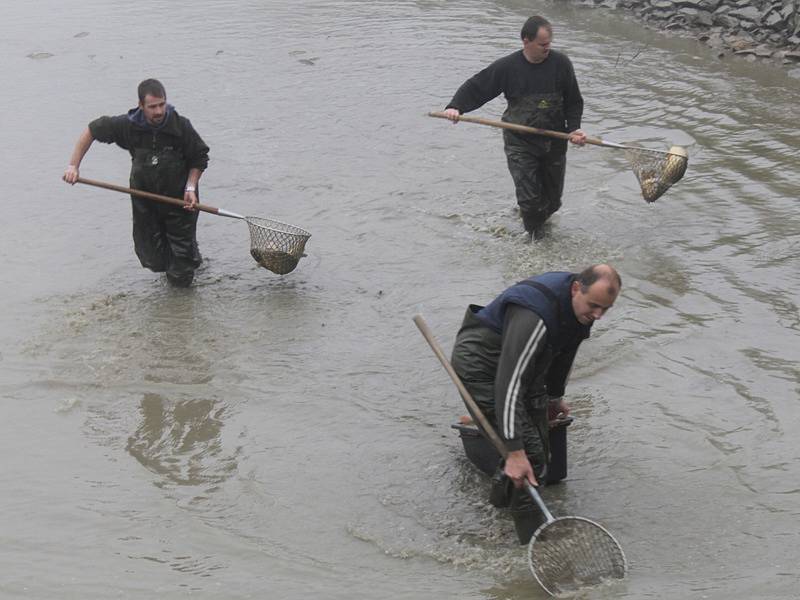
(793, 55)
(748, 13)
(763, 51)
(787, 11)
(741, 43)
(727, 21)
(773, 20)
(699, 4)
(773, 16)
(696, 17)
(665, 4)
(661, 14)
(703, 17)
(715, 41)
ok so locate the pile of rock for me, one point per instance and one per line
(753, 29)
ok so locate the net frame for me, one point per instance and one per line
(656, 170)
(567, 553)
(275, 245)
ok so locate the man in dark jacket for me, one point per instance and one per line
(168, 157)
(514, 356)
(540, 87)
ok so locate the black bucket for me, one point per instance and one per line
(483, 455)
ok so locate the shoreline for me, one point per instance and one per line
(753, 30)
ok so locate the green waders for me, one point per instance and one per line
(537, 164)
(476, 355)
(164, 236)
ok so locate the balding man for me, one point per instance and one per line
(514, 356)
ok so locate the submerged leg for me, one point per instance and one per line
(149, 240)
(181, 227)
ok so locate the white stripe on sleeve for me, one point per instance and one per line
(512, 393)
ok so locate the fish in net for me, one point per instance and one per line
(657, 171)
(569, 553)
(276, 246)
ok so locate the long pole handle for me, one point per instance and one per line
(523, 129)
(474, 410)
(157, 197)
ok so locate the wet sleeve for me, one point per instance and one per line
(111, 130)
(559, 371)
(196, 150)
(479, 89)
(573, 101)
(524, 338)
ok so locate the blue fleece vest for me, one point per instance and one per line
(562, 326)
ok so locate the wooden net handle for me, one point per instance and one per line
(520, 128)
(149, 195)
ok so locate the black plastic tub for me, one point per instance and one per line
(483, 455)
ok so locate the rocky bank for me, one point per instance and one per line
(767, 30)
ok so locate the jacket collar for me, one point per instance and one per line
(169, 125)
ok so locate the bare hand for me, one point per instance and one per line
(190, 201)
(578, 137)
(557, 408)
(519, 469)
(452, 114)
(71, 174)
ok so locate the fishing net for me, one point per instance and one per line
(569, 553)
(276, 246)
(657, 171)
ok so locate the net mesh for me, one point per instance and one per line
(572, 552)
(657, 171)
(276, 246)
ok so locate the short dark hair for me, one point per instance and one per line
(153, 87)
(531, 27)
(591, 275)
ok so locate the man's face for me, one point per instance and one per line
(538, 49)
(154, 109)
(591, 305)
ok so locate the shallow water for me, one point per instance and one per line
(289, 436)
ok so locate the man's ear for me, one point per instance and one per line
(574, 288)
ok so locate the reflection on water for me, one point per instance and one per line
(181, 441)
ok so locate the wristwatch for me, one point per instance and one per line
(190, 188)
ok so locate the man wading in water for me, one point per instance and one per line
(514, 356)
(168, 158)
(540, 87)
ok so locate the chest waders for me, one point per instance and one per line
(537, 164)
(164, 236)
(475, 358)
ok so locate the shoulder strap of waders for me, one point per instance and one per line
(548, 293)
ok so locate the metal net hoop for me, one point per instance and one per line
(276, 246)
(657, 171)
(569, 553)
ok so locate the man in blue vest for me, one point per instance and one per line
(514, 357)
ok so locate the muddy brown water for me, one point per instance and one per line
(288, 437)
